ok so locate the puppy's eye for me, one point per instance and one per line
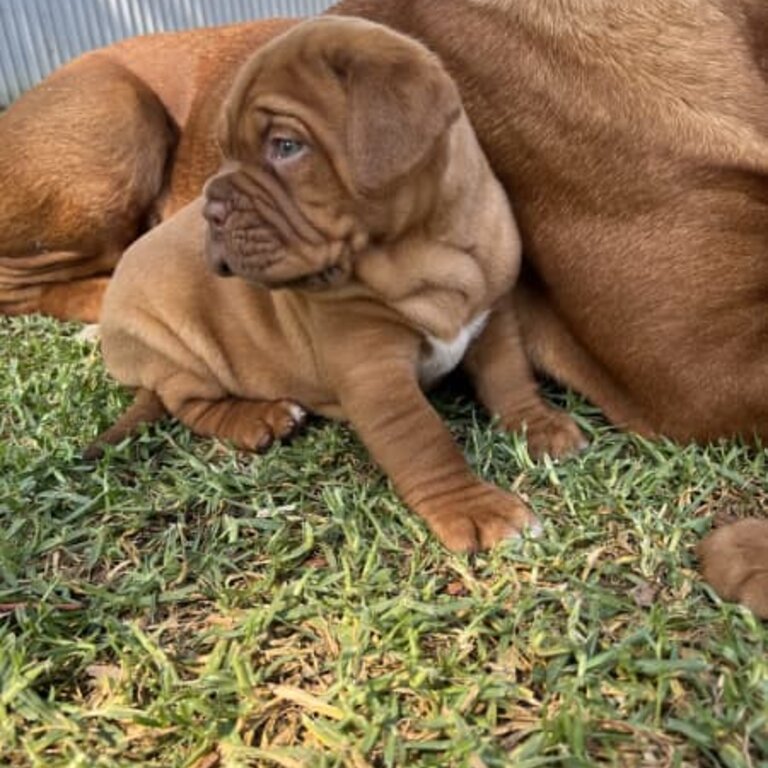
(284, 149)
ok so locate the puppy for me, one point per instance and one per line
(353, 247)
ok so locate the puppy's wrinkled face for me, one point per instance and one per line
(321, 127)
(277, 212)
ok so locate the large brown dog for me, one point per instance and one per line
(631, 137)
(103, 148)
(369, 243)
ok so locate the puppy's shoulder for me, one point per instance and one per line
(160, 267)
(179, 238)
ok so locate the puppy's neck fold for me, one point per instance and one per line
(457, 260)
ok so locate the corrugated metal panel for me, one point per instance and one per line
(36, 36)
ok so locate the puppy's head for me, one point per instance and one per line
(323, 129)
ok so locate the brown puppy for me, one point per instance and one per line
(633, 141)
(734, 560)
(367, 244)
(99, 151)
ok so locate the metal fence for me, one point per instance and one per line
(36, 36)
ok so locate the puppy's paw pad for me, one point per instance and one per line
(734, 561)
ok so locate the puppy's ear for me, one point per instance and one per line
(399, 106)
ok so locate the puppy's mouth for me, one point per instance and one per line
(258, 233)
(273, 273)
(261, 258)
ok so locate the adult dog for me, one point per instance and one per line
(631, 137)
(369, 243)
(103, 149)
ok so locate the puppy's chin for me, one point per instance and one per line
(330, 277)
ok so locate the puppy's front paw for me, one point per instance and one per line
(549, 431)
(285, 417)
(734, 560)
(555, 433)
(486, 516)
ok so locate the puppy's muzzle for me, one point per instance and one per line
(255, 231)
(216, 213)
(244, 236)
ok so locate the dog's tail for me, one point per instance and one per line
(146, 408)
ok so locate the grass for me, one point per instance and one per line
(180, 604)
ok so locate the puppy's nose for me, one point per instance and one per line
(222, 269)
(215, 212)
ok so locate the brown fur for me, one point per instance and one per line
(734, 560)
(343, 273)
(128, 138)
(632, 139)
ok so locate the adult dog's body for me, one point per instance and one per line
(633, 140)
(631, 137)
(368, 244)
(101, 150)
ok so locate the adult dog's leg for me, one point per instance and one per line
(734, 560)
(84, 158)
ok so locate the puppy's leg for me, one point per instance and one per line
(252, 425)
(505, 384)
(84, 158)
(146, 408)
(553, 349)
(410, 443)
(734, 560)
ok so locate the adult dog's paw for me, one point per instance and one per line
(734, 560)
(484, 517)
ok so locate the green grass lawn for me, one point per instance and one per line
(181, 604)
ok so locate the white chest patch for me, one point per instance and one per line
(441, 357)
